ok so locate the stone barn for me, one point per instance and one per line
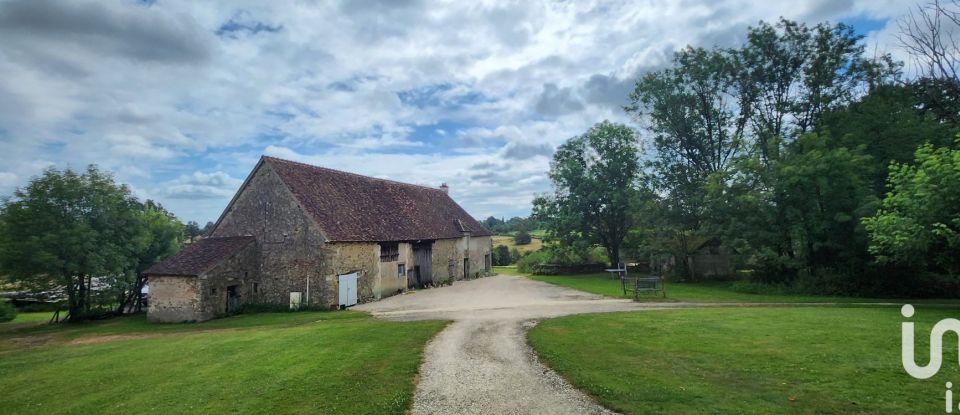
(299, 235)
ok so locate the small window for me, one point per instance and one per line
(213, 290)
(401, 270)
(389, 252)
(256, 287)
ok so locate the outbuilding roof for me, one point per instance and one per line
(200, 256)
(350, 207)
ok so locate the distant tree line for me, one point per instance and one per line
(499, 226)
(825, 169)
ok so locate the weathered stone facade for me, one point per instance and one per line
(276, 224)
(174, 299)
(291, 245)
(179, 298)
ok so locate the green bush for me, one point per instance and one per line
(7, 312)
(522, 237)
(529, 262)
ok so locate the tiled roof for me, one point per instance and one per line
(200, 256)
(351, 207)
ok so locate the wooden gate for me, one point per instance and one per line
(422, 275)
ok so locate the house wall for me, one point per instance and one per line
(375, 279)
(174, 299)
(241, 270)
(291, 245)
(448, 256)
(389, 282)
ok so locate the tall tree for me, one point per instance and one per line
(65, 229)
(594, 177)
(193, 230)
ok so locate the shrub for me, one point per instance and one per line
(529, 262)
(7, 312)
(522, 237)
(502, 256)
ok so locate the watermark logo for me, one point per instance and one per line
(907, 355)
(936, 344)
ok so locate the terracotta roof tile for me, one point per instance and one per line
(200, 256)
(351, 207)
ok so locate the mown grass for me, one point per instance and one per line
(809, 360)
(716, 291)
(317, 362)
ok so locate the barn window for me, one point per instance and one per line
(389, 252)
(401, 270)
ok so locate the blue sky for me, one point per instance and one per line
(179, 98)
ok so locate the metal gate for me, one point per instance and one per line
(422, 265)
(348, 289)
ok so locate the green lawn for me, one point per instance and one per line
(701, 292)
(316, 362)
(807, 360)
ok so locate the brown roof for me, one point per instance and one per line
(351, 207)
(200, 256)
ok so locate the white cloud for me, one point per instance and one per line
(151, 91)
(200, 185)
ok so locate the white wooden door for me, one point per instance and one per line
(348, 289)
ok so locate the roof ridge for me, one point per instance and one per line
(265, 157)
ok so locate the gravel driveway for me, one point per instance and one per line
(481, 362)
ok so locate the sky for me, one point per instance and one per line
(179, 99)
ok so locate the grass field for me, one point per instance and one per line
(318, 362)
(534, 245)
(700, 292)
(747, 361)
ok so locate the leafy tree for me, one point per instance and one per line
(64, 229)
(919, 223)
(594, 177)
(889, 124)
(522, 237)
(193, 230)
(161, 235)
(207, 229)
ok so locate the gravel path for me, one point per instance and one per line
(481, 363)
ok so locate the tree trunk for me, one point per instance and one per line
(613, 252)
(76, 297)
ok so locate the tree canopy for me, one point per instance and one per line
(66, 229)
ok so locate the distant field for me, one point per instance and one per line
(307, 362)
(534, 245)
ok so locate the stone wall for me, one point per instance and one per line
(389, 282)
(448, 256)
(291, 245)
(241, 270)
(174, 299)
(375, 279)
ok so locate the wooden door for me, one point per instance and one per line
(423, 263)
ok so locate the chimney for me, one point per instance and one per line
(445, 188)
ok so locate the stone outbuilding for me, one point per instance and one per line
(297, 235)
